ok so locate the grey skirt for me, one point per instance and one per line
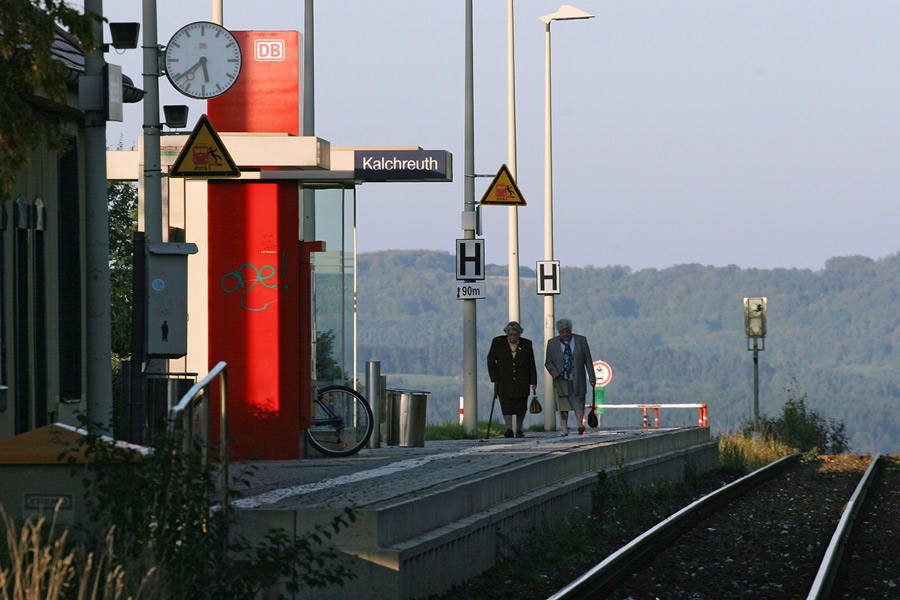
(569, 403)
(564, 400)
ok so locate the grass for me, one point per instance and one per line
(39, 563)
(742, 453)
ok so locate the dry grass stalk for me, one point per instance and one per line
(43, 566)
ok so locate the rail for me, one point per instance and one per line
(602, 579)
(701, 422)
(199, 395)
(823, 584)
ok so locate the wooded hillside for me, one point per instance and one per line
(670, 335)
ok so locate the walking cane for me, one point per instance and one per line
(491, 418)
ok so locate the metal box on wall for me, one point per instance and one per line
(166, 332)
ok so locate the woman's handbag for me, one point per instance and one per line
(592, 417)
(535, 406)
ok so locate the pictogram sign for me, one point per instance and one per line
(503, 190)
(603, 373)
(204, 155)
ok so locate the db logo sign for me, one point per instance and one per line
(269, 50)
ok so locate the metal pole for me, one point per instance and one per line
(152, 169)
(373, 387)
(755, 384)
(549, 398)
(98, 328)
(470, 348)
(513, 228)
(308, 196)
(216, 12)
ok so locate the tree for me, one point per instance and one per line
(32, 81)
(328, 369)
(122, 225)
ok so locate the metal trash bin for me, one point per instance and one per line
(405, 418)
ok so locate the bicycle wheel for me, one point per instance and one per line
(342, 423)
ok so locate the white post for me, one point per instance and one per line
(565, 13)
(513, 229)
(549, 398)
(470, 339)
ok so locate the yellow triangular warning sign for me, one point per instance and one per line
(503, 190)
(204, 155)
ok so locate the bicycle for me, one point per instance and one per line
(342, 423)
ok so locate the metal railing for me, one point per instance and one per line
(184, 412)
(702, 419)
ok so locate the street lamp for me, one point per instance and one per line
(565, 13)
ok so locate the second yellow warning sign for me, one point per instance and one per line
(503, 190)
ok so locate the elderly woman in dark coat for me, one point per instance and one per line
(511, 367)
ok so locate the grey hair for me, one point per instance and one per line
(564, 324)
(514, 326)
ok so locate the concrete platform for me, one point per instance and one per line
(431, 517)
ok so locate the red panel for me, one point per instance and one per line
(254, 270)
(253, 300)
(266, 96)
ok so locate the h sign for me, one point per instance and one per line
(469, 259)
(547, 273)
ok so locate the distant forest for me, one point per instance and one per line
(670, 335)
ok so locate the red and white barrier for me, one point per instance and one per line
(701, 422)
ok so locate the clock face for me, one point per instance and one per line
(203, 60)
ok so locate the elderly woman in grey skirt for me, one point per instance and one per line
(568, 360)
(511, 366)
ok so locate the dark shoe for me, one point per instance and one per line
(520, 434)
(508, 433)
(580, 430)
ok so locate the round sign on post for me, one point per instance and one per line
(603, 372)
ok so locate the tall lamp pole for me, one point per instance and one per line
(513, 228)
(565, 13)
(470, 339)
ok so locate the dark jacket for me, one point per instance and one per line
(514, 376)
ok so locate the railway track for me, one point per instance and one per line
(794, 529)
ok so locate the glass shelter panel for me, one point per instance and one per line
(334, 294)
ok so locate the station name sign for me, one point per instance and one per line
(403, 165)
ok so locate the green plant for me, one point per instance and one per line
(162, 506)
(447, 430)
(804, 429)
(743, 452)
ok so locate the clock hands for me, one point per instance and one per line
(191, 73)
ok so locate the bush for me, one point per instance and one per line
(804, 429)
(160, 505)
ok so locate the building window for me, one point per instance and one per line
(69, 278)
(22, 215)
(39, 320)
(3, 382)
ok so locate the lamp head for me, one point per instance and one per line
(176, 115)
(124, 35)
(566, 12)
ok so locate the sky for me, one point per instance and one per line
(762, 134)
